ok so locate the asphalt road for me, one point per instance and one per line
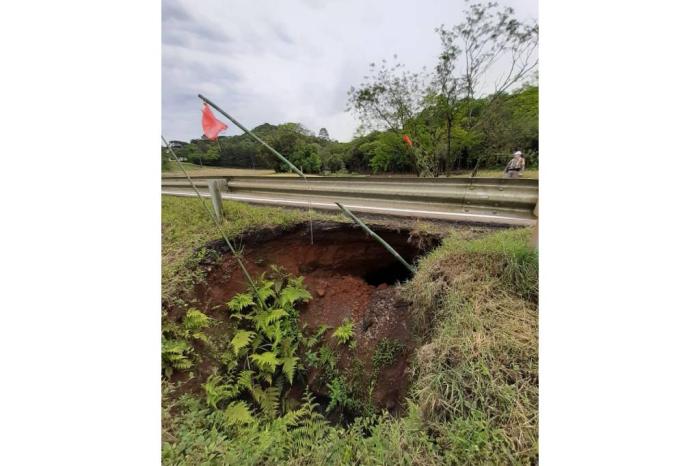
(423, 210)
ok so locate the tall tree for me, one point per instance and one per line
(389, 98)
(323, 134)
(447, 88)
(491, 37)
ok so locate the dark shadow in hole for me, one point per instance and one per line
(389, 274)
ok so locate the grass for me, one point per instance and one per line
(474, 391)
(226, 171)
(386, 352)
(195, 169)
(475, 303)
(186, 227)
(498, 173)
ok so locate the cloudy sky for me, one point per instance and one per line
(280, 61)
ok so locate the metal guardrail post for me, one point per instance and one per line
(215, 187)
(536, 230)
(236, 254)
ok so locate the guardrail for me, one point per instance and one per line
(492, 193)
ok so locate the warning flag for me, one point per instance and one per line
(211, 126)
(408, 140)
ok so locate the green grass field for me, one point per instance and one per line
(497, 173)
(173, 169)
(474, 376)
(223, 171)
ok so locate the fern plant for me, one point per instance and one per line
(344, 333)
(194, 323)
(238, 413)
(341, 396)
(310, 426)
(262, 355)
(177, 352)
(216, 390)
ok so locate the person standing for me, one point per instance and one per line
(516, 166)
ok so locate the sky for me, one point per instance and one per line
(291, 61)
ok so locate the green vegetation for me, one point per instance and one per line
(474, 386)
(512, 124)
(341, 397)
(186, 228)
(237, 389)
(302, 147)
(475, 305)
(455, 118)
(386, 353)
(177, 352)
(531, 173)
(261, 360)
(344, 333)
(306, 158)
(452, 122)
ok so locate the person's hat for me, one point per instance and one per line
(518, 153)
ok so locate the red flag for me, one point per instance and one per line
(408, 140)
(211, 126)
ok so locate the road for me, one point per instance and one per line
(383, 207)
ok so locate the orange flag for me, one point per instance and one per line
(211, 126)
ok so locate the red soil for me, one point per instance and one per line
(334, 270)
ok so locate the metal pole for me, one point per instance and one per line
(277, 154)
(218, 226)
(377, 237)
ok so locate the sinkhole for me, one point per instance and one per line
(350, 277)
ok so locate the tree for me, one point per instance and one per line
(240, 151)
(332, 156)
(213, 153)
(393, 99)
(305, 156)
(492, 35)
(358, 152)
(447, 88)
(284, 139)
(323, 134)
(389, 153)
(388, 98)
(193, 152)
(511, 123)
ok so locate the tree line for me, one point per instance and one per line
(476, 106)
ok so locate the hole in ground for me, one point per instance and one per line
(350, 276)
(389, 274)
